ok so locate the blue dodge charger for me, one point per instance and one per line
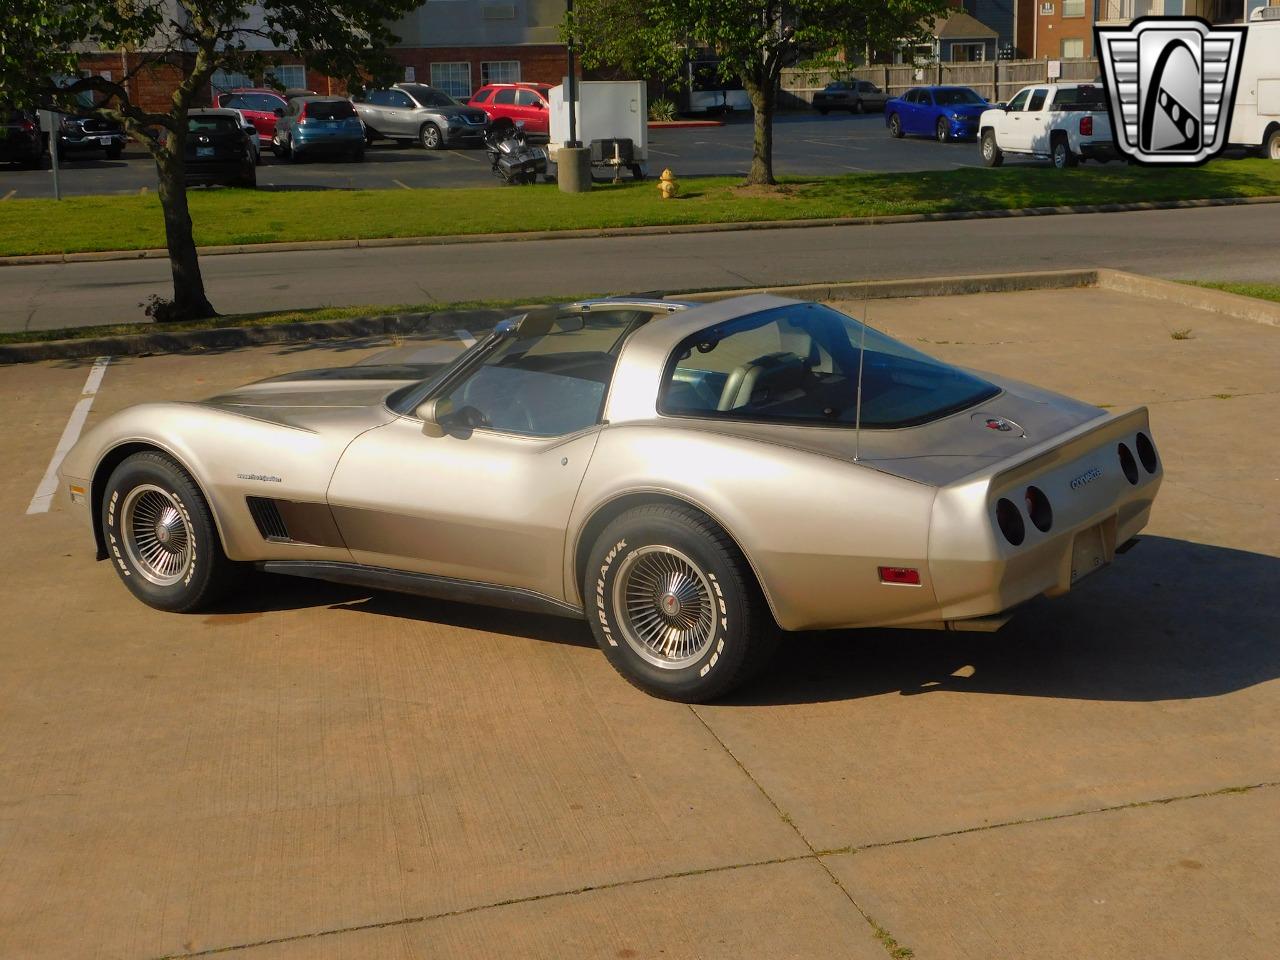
(947, 113)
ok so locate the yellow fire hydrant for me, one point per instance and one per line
(668, 184)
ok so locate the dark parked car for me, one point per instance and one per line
(946, 113)
(856, 96)
(415, 111)
(218, 149)
(78, 134)
(21, 141)
(314, 125)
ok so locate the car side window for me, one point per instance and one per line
(1037, 99)
(398, 98)
(527, 98)
(1018, 102)
(546, 383)
(924, 97)
(506, 95)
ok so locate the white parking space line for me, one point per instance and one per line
(401, 184)
(830, 143)
(8, 195)
(663, 153)
(71, 433)
(142, 191)
(465, 156)
(467, 339)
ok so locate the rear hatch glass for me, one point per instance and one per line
(330, 110)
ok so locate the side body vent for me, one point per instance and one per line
(267, 516)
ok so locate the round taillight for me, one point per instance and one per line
(1147, 453)
(1128, 464)
(1010, 521)
(1038, 509)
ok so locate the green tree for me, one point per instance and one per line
(189, 40)
(754, 39)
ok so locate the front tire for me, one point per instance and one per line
(674, 606)
(992, 155)
(161, 537)
(430, 137)
(895, 126)
(859, 107)
(943, 130)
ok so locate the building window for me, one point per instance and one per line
(291, 76)
(224, 80)
(453, 78)
(499, 71)
(1073, 8)
(1073, 48)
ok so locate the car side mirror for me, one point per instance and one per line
(540, 105)
(433, 413)
(278, 111)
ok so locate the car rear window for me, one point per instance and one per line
(330, 110)
(262, 102)
(1080, 98)
(212, 124)
(800, 363)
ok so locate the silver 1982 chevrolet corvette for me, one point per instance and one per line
(687, 478)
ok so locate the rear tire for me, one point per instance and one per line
(1271, 149)
(823, 111)
(992, 155)
(859, 107)
(115, 153)
(674, 606)
(161, 537)
(895, 126)
(250, 179)
(1062, 156)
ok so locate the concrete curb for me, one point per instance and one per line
(481, 320)
(659, 230)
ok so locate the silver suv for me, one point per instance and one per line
(415, 111)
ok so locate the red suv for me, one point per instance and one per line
(260, 107)
(516, 101)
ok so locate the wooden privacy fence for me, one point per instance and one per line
(995, 79)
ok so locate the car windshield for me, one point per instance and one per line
(1079, 98)
(800, 363)
(956, 96)
(330, 110)
(212, 124)
(430, 96)
(838, 85)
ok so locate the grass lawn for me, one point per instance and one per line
(240, 216)
(1262, 291)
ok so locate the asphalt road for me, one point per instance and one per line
(1220, 243)
(804, 144)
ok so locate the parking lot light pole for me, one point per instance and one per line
(573, 161)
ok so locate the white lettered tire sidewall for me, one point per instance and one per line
(739, 621)
(209, 572)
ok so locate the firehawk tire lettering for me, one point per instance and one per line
(604, 569)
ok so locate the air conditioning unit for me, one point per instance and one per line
(1266, 13)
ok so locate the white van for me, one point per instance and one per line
(1255, 122)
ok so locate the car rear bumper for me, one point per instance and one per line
(218, 171)
(328, 143)
(25, 147)
(1099, 150)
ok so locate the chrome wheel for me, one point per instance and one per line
(665, 607)
(157, 535)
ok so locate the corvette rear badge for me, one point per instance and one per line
(1171, 84)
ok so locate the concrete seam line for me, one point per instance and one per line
(880, 933)
(680, 874)
(1189, 295)
(647, 230)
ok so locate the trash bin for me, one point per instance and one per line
(573, 169)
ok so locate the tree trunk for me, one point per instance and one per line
(189, 300)
(764, 100)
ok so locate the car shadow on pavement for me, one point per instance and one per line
(1172, 620)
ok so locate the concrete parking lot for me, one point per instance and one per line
(804, 144)
(315, 771)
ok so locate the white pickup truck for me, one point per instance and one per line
(1064, 122)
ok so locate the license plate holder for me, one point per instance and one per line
(203, 152)
(1088, 553)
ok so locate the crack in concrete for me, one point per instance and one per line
(881, 934)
